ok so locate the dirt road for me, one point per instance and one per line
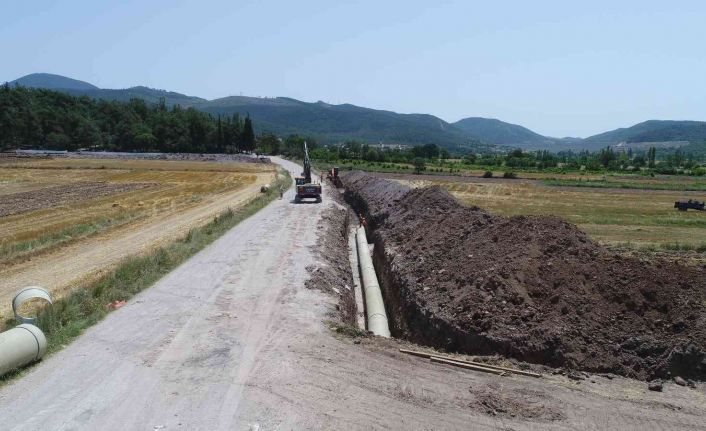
(63, 269)
(233, 340)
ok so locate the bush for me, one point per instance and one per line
(509, 174)
(488, 174)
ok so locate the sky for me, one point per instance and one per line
(560, 68)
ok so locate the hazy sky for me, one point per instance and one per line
(558, 67)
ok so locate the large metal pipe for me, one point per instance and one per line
(374, 304)
(20, 346)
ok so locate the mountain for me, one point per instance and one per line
(502, 133)
(335, 123)
(653, 131)
(150, 95)
(52, 82)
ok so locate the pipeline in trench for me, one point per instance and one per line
(405, 316)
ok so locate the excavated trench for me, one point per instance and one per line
(533, 288)
(407, 320)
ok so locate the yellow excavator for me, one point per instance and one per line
(306, 188)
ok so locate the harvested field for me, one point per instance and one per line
(533, 288)
(63, 221)
(639, 218)
(21, 202)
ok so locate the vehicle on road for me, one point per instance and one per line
(306, 188)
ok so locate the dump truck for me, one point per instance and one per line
(306, 188)
(332, 175)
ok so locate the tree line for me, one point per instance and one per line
(606, 159)
(45, 119)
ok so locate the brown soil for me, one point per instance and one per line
(17, 203)
(533, 288)
(334, 276)
(521, 404)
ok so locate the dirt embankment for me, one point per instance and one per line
(534, 288)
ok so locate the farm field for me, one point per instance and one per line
(637, 217)
(64, 221)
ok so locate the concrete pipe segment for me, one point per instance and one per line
(20, 346)
(27, 294)
(374, 305)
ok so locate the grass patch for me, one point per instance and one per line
(646, 185)
(675, 246)
(349, 331)
(52, 240)
(71, 315)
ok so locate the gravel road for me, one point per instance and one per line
(233, 340)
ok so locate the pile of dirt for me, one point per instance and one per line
(533, 288)
(523, 404)
(333, 275)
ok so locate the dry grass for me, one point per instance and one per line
(176, 185)
(639, 217)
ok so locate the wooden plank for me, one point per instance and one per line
(494, 367)
(479, 364)
(467, 366)
(417, 353)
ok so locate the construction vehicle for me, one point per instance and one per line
(690, 205)
(306, 188)
(332, 175)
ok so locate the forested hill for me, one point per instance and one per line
(336, 123)
(329, 123)
(39, 118)
(654, 131)
(50, 81)
(502, 133)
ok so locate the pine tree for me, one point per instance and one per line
(219, 136)
(247, 139)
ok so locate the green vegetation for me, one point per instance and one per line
(71, 315)
(646, 185)
(35, 118)
(638, 163)
(51, 240)
(667, 246)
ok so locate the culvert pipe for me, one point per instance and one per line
(20, 346)
(374, 304)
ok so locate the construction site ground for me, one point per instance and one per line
(232, 339)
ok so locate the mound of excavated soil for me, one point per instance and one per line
(534, 288)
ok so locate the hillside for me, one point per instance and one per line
(52, 82)
(653, 131)
(150, 95)
(334, 123)
(502, 133)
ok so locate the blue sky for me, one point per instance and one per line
(558, 67)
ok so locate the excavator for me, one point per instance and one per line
(306, 188)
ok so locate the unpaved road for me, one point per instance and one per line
(64, 268)
(233, 340)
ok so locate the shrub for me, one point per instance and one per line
(488, 174)
(509, 174)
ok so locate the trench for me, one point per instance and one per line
(406, 317)
(409, 319)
